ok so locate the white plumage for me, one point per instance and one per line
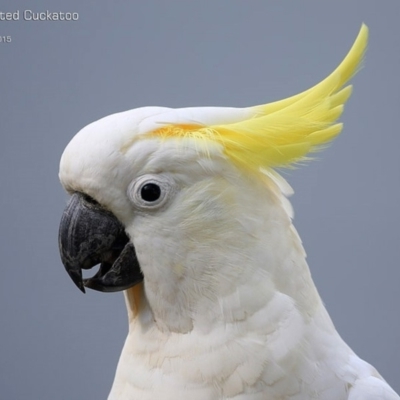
(227, 308)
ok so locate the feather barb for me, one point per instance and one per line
(282, 133)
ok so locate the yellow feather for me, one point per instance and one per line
(281, 133)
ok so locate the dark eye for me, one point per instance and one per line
(150, 192)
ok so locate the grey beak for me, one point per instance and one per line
(91, 235)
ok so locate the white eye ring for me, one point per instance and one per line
(151, 191)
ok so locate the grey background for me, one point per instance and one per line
(56, 77)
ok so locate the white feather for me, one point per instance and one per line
(228, 308)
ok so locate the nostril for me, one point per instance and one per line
(90, 200)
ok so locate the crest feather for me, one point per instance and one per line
(281, 133)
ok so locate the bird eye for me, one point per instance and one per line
(151, 191)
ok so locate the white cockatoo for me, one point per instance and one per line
(184, 211)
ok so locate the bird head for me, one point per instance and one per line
(187, 202)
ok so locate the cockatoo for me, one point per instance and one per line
(184, 211)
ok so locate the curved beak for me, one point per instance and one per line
(90, 235)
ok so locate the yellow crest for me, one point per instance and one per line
(281, 133)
